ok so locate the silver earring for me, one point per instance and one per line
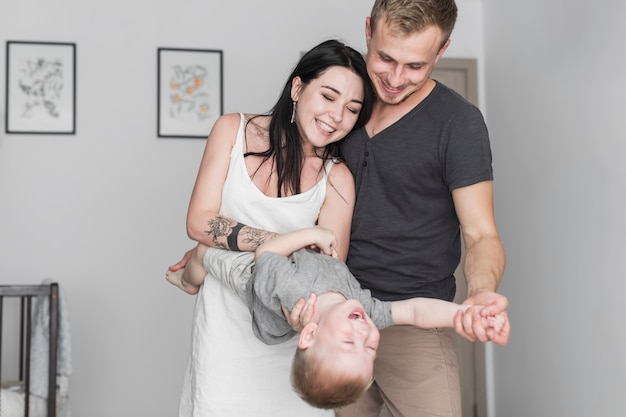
(293, 113)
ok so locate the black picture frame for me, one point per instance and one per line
(40, 87)
(189, 91)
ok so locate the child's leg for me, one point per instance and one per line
(194, 270)
(190, 278)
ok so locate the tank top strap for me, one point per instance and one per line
(241, 133)
(329, 165)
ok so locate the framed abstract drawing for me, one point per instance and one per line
(189, 92)
(41, 87)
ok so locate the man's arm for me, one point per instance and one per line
(484, 260)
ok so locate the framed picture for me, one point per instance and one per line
(189, 92)
(41, 87)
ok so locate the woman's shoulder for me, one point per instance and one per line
(341, 176)
(225, 130)
(228, 125)
(260, 119)
(229, 120)
(340, 170)
(255, 121)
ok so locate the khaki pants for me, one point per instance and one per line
(416, 374)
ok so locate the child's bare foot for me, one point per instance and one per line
(176, 278)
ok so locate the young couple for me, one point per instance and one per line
(422, 167)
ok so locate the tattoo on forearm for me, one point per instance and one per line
(218, 227)
(232, 237)
(254, 237)
(221, 227)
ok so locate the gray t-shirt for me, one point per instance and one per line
(284, 280)
(405, 238)
(277, 279)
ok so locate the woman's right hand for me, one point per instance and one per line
(183, 262)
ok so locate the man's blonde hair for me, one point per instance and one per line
(405, 17)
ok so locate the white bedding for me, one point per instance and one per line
(232, 373)
(12, 402)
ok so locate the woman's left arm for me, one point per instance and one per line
(336, 212)
(336, 215)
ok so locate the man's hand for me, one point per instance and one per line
(470, 324)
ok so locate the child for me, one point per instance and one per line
(339, 337)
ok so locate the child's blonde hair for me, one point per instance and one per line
(322, 385)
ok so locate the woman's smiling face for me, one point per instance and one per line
(327, 107)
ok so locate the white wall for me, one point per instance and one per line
(556, 101)
(103, 211)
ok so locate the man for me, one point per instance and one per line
(422, 166)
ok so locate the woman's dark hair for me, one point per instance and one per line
(284, 139)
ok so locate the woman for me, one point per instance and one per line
(263, 175)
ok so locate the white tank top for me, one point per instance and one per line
(244, 202)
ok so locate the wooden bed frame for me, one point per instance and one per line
(26, 294)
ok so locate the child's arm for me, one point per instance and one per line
(426, 313)
(288, 243)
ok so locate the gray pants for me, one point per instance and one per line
(233, 269)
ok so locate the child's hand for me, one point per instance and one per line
(496, 328)
(301, 314)
(499, 328)
(468, 324)
(326, 241)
